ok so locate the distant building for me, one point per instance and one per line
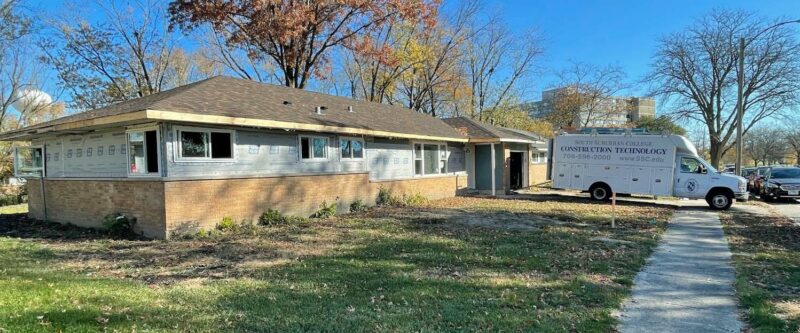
(611, 112)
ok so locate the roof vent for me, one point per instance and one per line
(349, 108)
(287, 103)
(319, 109)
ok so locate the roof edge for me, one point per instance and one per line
(150, 114)
(254, 122)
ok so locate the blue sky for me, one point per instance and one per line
(624, 33)
(621, 32)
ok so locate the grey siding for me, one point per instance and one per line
(87, 155)
(260, 153)
(389, 159)
(457, 158)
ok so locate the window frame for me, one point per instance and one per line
(311, 157)
(178, 153)
(439, 158)
(704, 171)
(128, 151)
(351, 139)
(43, 169)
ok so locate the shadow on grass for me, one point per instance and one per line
(766, 255)
(358, 273)
(484, 282)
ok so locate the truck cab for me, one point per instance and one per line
(696, 179)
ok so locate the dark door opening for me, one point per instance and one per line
(515, 170)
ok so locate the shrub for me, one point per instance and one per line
(414, 199)
(119, 224)
(291, 219)
(272, 217)
(226, 224)
(12, 199)
(358, 206)
(325, 210)
(384, 196)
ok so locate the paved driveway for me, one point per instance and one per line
(789, 208)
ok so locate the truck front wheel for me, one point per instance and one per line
(719, 200)
(600, 192)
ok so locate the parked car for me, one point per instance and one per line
(746, 172)
(756, 178)
(782, 182)
(729, 170)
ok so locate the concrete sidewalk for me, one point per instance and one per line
(687, 284)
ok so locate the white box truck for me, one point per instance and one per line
(662, 165)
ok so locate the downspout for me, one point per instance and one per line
(44, 199)
(494, 186)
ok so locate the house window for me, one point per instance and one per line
(351, 148)
(313, 147)
(88, 152)
(144, 152)
(443, 159)
(28, 161)
(111, 149)
(430, 159)
(418, 159)
(198, 144)
(100, 151)
(79, 152)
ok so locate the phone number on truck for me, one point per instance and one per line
(594, 157)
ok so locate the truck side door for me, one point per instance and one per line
(691, 178)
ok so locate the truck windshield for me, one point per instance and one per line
(785, 173)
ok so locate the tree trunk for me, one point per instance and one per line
(715, 150)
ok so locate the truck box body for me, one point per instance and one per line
(640, 164)
(634, 164)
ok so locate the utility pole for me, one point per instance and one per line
(739, 110)
(740, 95)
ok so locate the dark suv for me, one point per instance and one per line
(783, 182)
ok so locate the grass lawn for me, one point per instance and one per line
(766, 255)
(14, 209)
(461, 264)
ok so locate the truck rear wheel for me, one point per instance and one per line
(600, 192)
(719, 200)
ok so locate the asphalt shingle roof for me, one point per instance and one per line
(226, 96)
(478, 130)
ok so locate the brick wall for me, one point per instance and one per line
(537, 174)
(86, 202)
(194, 204)
(431, 188)
(170, 207)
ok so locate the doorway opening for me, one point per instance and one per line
(515, 162)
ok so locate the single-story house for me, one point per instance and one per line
(185, 158)
(516, 158)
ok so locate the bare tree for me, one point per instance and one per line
(496, 60)
(765, 145)
(584, 95)
(216, 53)
(435, 84)
(129, 53)
(22, 103)
(696, 69)
(792, 137)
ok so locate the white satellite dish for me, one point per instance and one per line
(30, 99)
